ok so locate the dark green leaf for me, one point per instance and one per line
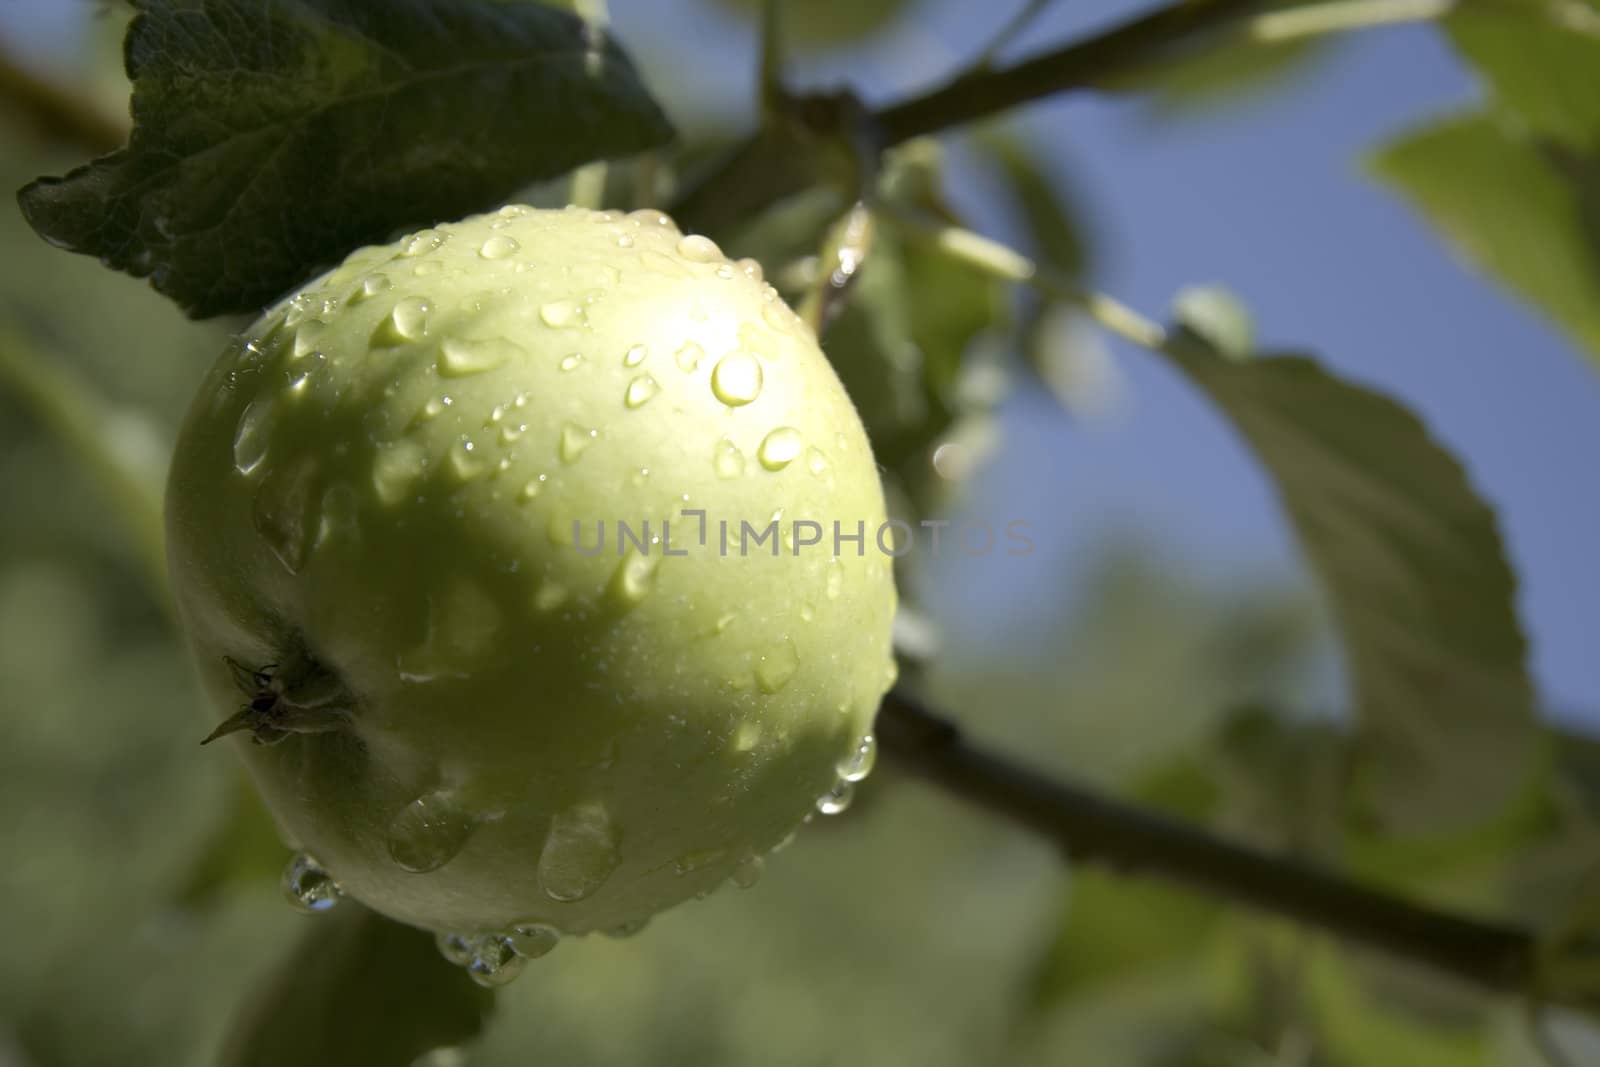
(357, 989)
(273, 137)
(1512, 209)
(1412, 562)
(1219, 77)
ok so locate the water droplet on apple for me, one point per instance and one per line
(695, 860)
(395, 469)
(688, 356)
(776, 666)
(575, 440)
(859, 762)
(580, 852)
(780, 447)
(253, 435)
(727, 459)
(748, 872)
(308, 886)
(736, 379)
(836, 799)
(561, 313)
(531, 940)
(285, 512)
(459, 357)
(635, 355)
(639, 391)
(429, 832)
(498, 247)
(634, 578)
(698, 249)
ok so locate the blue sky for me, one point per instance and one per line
(1268, 199)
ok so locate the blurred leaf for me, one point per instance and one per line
(901, 341)
(1511, 211)
(271, 137)
(1232, 74)
(1115, 927)
(1412, 561)
(1054, 222)
(245, 847)
(1541, 61)
(1217, 317)
(1356, 1028)
(357, 988)
(825, 23)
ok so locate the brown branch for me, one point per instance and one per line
(1078, 65)
(55, 112)
(1494, 956)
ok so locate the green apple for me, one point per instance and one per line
(472, 709)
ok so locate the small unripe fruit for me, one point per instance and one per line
(474, 720)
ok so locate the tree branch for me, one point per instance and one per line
(1494, 956)
(1077, 65)
(56, 112)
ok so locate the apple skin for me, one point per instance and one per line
(372, 500)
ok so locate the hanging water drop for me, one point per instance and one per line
(531, 940)
(858, 763)
(836, 799)
(748, 872)
(736, 379)
(308, 886)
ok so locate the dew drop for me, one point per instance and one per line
(690, 862)
(252, 437)
(551, 595)
(339, 514)
(560, 313)
(572, 361)
(640, 390)
(807, 612)
(780, 447)
(459, 357)
(727, 459)
(736, 379)
(836, 799)
(634, 578)
(285, 513)
(510, 432)
(308, 886)
(858, 763)
(635, 355)
(748, 872)
(835, 580)
(699, 249)
(395, 470)
(624, 240)
(575, 440)
(456, 948)
(651, 217)
(428, 832)
(532, 940)
(777, 666)
(306, 338)
(750, 268)
(498, 247)
(406, 321)
(689, 356)
(465, 460)
(816, 461)
(725, 272)
(532, 488)
(580, 853)
(746, 737)
(494, 960)
(370, 286)
(628, 928)
(422, 242)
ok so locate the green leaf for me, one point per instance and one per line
(1412, 562)
(1541, 61)
(270, 137)
(1217, 317)
(1047, 204)
(1355, 1027)
(357, 989)
(244, 848)
(1511, 210)
(1214, 78)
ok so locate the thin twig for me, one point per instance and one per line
(1491, 955)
